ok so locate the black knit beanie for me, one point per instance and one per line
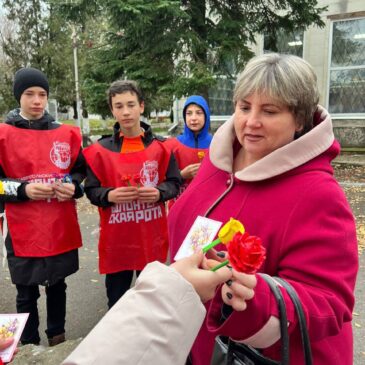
(28, 77)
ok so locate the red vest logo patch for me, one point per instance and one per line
(60, 155)
(149, 174)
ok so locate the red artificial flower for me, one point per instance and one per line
(137, 179)
(246, 253)
(126, 180)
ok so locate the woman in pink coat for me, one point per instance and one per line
(269, 166)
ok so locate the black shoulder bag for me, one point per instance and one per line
(229, 352)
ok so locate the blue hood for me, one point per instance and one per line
(203, 139)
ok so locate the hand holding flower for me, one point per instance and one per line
(237, 291)
(123, 194)
(148, 194)
(205, 282)
(246, 255)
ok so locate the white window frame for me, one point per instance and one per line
(340, 115)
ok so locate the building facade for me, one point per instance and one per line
(337, 53)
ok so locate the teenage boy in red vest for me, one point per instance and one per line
(129, 177)
(41, 169)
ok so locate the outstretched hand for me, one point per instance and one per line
(204, 281)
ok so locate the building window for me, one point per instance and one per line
(347, 67)
(220, 97)
(285, 43)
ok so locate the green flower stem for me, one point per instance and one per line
(224, 263)
(211, 245)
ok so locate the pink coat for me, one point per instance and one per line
(291, 200)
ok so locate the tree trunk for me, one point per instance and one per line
(74, 106)
(198, 23)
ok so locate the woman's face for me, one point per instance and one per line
(262, 125)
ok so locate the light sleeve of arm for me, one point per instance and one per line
(154, 322)
(11, 190)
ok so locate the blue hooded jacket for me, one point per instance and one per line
(203, 139)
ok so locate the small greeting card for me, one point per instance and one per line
(201, 233)
(11, 325)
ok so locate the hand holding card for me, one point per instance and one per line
(201, 233)
(11, 328)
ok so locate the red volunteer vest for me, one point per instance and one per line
(40, 228)
(184, 156)
(131, 234)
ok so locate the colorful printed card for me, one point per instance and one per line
(11, 325)
(201, 233)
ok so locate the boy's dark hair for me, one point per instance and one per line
(122, 86)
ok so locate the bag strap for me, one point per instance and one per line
(253, 354)
(301, 317)
(273, 283)
(284, 335)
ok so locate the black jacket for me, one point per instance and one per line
(168, 188)
(40, 270)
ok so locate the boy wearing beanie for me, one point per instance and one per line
(190, 147)
(41, 169)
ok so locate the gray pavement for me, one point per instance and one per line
(86, 292)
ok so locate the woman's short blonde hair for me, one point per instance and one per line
(287, 79)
